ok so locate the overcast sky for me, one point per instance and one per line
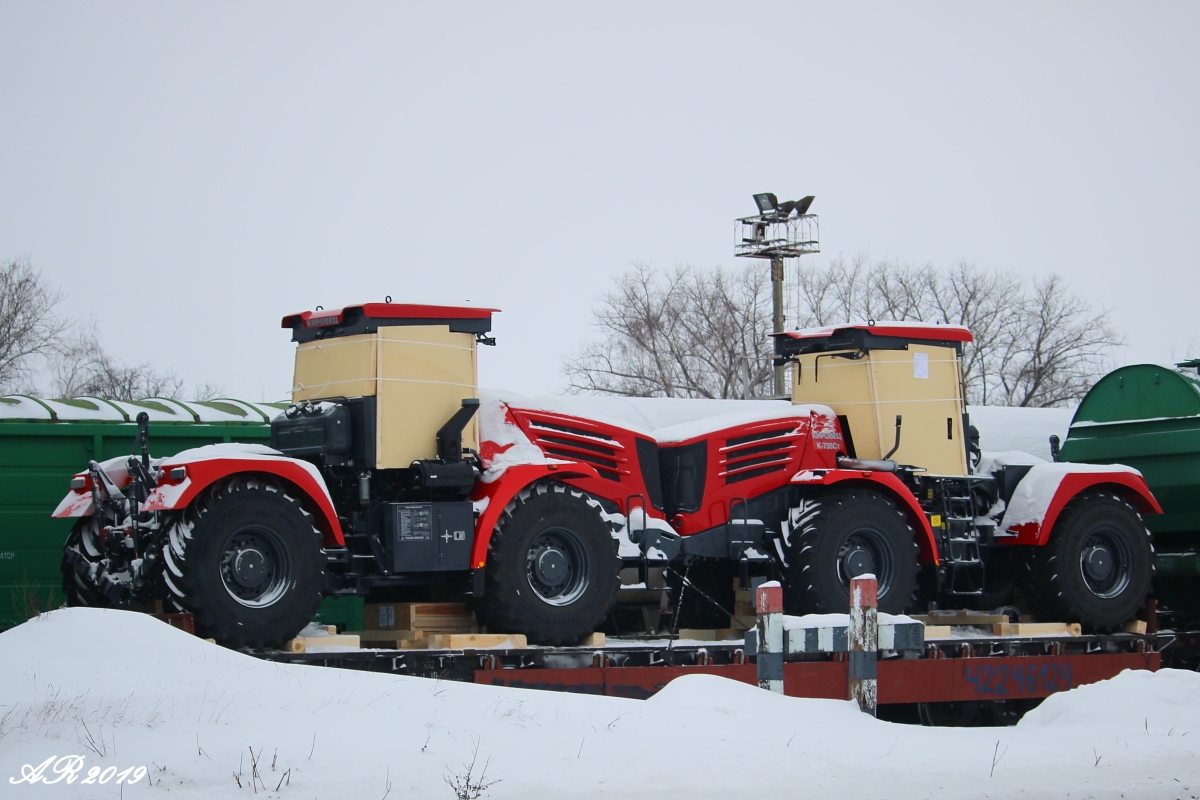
(191, 172)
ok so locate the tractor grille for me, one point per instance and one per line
(576, 444)
(755, 454)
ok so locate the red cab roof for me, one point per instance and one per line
(902, 330)
(384, 311)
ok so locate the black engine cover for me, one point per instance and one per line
(308, 431)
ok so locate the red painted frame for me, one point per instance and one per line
(925, 680)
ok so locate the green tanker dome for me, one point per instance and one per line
(1141, 392)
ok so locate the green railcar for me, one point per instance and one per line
(44, 442)
(1148, 417)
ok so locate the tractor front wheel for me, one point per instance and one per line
(553, 571)
(1097, 567)
(247, 562)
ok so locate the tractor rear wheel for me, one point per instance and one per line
(552, 572)
(78, 589)
(247, 562)
(841, 536)
(1097, 567)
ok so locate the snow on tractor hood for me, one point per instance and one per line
(1034, 494)
(667, 420)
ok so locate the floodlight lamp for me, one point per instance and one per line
(766, 202)
(802, 205)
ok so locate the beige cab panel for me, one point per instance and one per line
(426, 372)
(922, 384)
(419, 375)
(342, 367)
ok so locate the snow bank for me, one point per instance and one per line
(143, 693)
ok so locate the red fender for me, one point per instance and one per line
(499, 493)
(202, 474)
(885, 483)
(1129, 485)
(171, 495)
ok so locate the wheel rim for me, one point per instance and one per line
(557, 566)
(1104, 562)
(256, 567)
(865, 551)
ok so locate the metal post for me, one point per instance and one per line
(768, 605)
(863, 640)
(777, 320)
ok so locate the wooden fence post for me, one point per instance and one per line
(768, 605)
(863, 640)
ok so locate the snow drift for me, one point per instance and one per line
(123, 689)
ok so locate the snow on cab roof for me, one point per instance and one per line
(907, 330)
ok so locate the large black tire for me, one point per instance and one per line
(553, 571)
(247, 562)
(78, 590)
(841, 536)
(1096, 568)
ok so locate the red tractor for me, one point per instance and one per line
(388, 476)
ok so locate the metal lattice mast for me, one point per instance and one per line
(779, 231)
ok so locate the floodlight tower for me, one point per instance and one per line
(778, 231)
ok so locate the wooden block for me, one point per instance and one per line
(448, 617)
(330, 628)
(379, 616)
(698, 634)
(712, 634)
(594, 640)
(937, 632)
(392, 639)
(419, 643)
(467, 641)
(961, 618)
(1037, 629)
(1138, 626)
(304, 644)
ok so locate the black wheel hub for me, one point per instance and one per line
(866, 551)
(857, 560)
(552, 567)
(249, 568)
(1105, 562)
(256, 567)
(557, 566)
(1098, 563)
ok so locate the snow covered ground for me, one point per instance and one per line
(124, 690)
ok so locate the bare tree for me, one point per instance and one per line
(682, 334)
(29, 326)
(1058, 351)
(82, 367)
(685, 333)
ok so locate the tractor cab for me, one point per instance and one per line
(896, 388)
(384, 386)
